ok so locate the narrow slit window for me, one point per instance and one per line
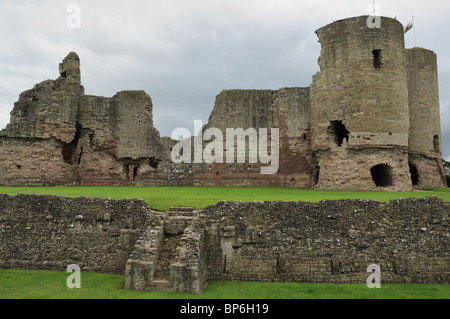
(436, 144)
(376, 59)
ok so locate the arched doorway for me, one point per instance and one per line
(382, 175)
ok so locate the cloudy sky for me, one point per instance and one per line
(183, 53)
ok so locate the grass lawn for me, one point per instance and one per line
(161, 198)
(32, 284)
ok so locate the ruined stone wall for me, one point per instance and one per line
(51, 107)
(34, 162)
(352, 129)
(349, 169)
(134, 133)
(120, 138)
(329, 242)
(287, 109)
(63, 137)
(425, 126)
(294, 122)
(50, 232)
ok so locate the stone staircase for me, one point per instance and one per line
(156, 262)
(178, 219)
(141, 264)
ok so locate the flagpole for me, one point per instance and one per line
(414, 27)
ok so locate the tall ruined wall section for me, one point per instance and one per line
(425, 151)
(360, 112)
(42, 122)
(286, 109)
(59, 136)
(49, 109)
(122, 138)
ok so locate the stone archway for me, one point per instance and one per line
(382, 175)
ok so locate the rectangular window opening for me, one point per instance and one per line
(436, 144)
(376, 59)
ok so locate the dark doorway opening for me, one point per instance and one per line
(414, 174)
(71, 152)
(338, 132)
(131, 171)
(382, 175)
(317, 175)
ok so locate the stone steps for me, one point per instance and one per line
(141, 265)
(160, 285)
(177, 243)
(182, 211)
(178, 219)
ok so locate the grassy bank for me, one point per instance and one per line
(161, 198)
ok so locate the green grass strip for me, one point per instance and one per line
(40, 284)
(162, 198)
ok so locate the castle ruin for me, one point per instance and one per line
(370, 120)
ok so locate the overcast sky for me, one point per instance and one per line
(183, 53)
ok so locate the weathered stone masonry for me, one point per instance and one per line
(370, 120)
(328, 242)
(51, 232)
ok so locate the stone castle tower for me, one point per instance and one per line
(370, 120)
(374, 109)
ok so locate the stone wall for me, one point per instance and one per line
(287, 110)
(50, 232)
(64, 137)
(328, 242)
(49, 110)
(34, 162)
(347, 169)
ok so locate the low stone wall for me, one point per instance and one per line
(328, 242)
(50, 232)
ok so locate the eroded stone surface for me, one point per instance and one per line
(333, 241)
(370, 120)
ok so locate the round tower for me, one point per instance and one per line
(359, 106)
(425, 152)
